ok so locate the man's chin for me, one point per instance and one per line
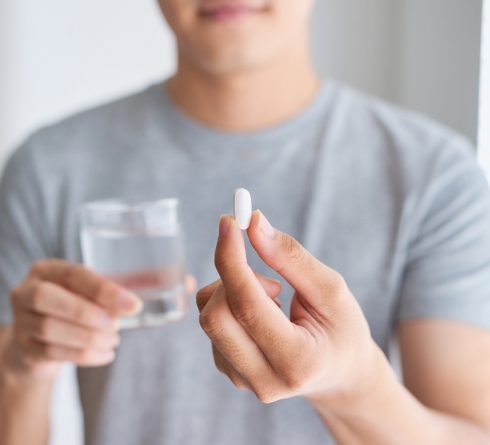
(232, 61)
(227, 68)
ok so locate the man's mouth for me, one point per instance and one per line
(227, 10)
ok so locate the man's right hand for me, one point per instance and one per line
(65, 312)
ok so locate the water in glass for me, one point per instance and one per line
(150, 262)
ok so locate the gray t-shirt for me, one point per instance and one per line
(393, 201)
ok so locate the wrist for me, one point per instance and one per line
(375, 377)
(376, 408)
(17, 371)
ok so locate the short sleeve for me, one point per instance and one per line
(24, 234)
(447, 271)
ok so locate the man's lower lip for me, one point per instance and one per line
(227, 14)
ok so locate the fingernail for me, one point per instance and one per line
(272, 280)
(105, 355)
(224, 224)
(129, 302)
(106, 321)
(265, 226)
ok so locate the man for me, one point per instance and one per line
(392, 210)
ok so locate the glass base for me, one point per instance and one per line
(160, 307)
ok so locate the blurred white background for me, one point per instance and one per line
(58, 57)
(484, 118)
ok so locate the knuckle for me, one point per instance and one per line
(37, 268)
(83, 356)
(49, 351)
(202, 297)
(91, 339)
(245, 312)
(293, 250)
(238, 381)
(337, 284)
(209, 289)
(78, 312)
(219, 262)
(211, 323)
(265, 395)
(106, 290)
(45, 327)
(87, 357)
(223, 265)
(40, 291)
(240, 384)
(294, 382)
(20, 335)
(201, 293)
(219, 367)
(71, 273)
(218, 362)
(109, 358)
(90, 357)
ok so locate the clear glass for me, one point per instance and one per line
(139, 245)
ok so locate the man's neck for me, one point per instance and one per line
(251, 100)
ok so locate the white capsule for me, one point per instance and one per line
(242, 206)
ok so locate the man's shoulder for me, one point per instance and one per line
(400, 123)
(411, 141)
(89, 128)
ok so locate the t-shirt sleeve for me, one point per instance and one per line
(24, 234)
(447, 273)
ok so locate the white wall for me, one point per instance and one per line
(59, 56)
(439, 60)
(484, 133)
(356, 41)
(423, 54)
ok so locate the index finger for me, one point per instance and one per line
(248, 301)
(87, 283)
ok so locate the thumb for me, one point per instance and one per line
(314, 281)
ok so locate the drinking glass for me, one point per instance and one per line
(139, 245)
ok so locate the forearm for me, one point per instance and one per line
(389, 414)
(24, 405)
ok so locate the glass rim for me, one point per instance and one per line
(123, 205)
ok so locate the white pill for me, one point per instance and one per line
(242, 206)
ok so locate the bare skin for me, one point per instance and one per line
(325, 352)
(242, 74)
